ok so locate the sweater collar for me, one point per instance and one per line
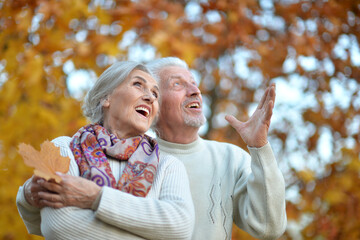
(178, 148)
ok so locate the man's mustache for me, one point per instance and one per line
(192, 99)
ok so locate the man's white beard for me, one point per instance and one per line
(196, 121)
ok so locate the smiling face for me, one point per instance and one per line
(181, 102)
(132, 107)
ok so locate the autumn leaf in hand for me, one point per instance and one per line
(46, 162)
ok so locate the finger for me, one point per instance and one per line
(269, 110)
(232, 121)
(45, 203)
(50, 186)
(263, 98)
(51, 197)
(272, 93)
(35, 188)
(31, 191)
(268, 95)
(270, 103)
(35, 178)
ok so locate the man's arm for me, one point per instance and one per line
(259, 196)
(29, 213)
(259, 202)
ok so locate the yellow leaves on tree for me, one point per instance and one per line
(306, 175)
(332, 201)
(46, 162)
(38, 37)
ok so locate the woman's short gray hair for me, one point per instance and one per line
(110, 79)
(157, 65)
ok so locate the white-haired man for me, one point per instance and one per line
(227, 184)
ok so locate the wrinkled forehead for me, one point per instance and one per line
(176, 72)
(143, 76)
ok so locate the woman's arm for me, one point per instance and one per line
(170, 216)
(167, 211)
(27, 199)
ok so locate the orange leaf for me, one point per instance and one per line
(46, 162)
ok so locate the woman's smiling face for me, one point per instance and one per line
(133, 106)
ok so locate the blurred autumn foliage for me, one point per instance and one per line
(309, 48)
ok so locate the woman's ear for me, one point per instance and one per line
(106, 102)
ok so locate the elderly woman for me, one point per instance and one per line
(118, 186)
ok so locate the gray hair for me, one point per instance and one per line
(110, 79)
(157, 65)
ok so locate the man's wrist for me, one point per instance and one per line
(27, 192)
(96, 202)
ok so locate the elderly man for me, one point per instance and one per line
(227, 184)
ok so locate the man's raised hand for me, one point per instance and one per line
(255, 130)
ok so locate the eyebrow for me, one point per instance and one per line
(144, 80)
(181, 77)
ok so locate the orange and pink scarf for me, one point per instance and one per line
(91, 146)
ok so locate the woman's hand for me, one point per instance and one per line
(72, 191)
(254, 131)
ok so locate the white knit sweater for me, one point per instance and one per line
(166, 213)
(227, 185)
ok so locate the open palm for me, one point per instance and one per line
(255, 130)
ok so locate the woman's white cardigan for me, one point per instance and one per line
(166, 213)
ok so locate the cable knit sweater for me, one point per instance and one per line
(166, 213)
(227, 185)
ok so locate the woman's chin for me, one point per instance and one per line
(141, 130)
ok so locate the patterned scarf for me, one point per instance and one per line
(93, 143)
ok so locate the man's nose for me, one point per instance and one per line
(193, 90)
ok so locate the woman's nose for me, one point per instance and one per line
(148, 97)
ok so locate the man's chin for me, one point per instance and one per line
(195, 121)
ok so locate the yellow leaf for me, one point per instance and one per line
(354, 164)
(346, 182)
(109, 47)
(34, 70)
(23, 20)
(232, 16)
(334, 196)
(306, 175)
(46, 162)
(159, 38)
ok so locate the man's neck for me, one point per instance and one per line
(179, 135)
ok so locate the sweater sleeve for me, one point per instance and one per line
(168, 216)
(30, 214)
(259, 196)
(171, 216)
